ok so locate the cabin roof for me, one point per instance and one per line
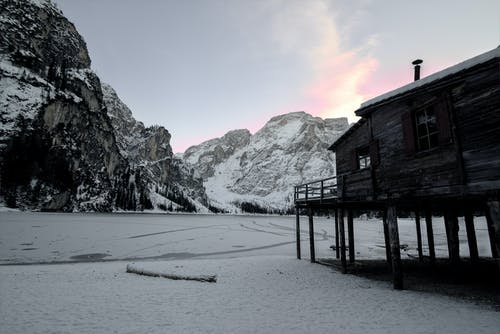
(369, 105)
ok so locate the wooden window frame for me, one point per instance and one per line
(363, 157)
(443, 129)
(426, 128)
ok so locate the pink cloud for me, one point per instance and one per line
(339, 88)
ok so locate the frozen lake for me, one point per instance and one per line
(57, 237)
(45, 237)
(76, 280)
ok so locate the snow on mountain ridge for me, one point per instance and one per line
(214, 151)
(289, 149)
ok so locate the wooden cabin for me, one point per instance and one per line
(430, 146)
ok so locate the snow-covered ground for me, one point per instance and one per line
(261, 287)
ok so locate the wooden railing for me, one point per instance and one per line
(317, 190)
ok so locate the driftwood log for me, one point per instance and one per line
(199, 278)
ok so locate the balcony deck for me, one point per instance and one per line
(317, 192)
(331, 194)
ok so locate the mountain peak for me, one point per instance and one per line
(263, 168)
(37, 35)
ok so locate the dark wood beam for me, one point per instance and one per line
(386, 239)
(451, 222)
(392, 223)
(311, 236)
(342, 241)
(337, 249)
(493, 219)
(430, 236)
(350, 234)
(297, 231)
(419, 236)
(471, 236)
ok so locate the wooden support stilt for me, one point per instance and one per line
(297, 231)
(419, 236)
(350, 235)
(447, 230)
(387, 240)
(392, 223)
(311, 236)
(471, 236)
(430, 236)
(337, 247)
(493, 219)
(451, 222)
(342, 241)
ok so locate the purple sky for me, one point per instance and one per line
(204, 67)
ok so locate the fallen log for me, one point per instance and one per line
(200, 278)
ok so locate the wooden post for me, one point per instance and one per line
(493, 219)
(392, 223)
(297, 231)
(419, 237)
(451, 222)
(447, 230)
(342, 241)
(311, 236)
(350, 235)
(386, 240)
(430, 236)
(337, 249)
(471, 236)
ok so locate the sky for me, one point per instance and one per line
(201, 68)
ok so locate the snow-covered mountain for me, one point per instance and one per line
(207, 155)
(68, 143)
(257, 172)
(64, 145)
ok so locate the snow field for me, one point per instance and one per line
(261, 287)
(253, 294)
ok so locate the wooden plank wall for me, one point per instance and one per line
(401, 172)
(360, 137)
(356, 183)
(476, 104)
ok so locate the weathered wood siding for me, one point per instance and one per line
(468, 155)
(344, 158)
(355, 183)
(358, 185)
(476, 103)
(400, 172)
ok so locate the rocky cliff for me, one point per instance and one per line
(206, 156)
(65, 146)
(258, 172)
(148, 150)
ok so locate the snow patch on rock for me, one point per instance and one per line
(263, 168)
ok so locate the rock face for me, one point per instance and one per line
(148, 150)
(63, 146)
(260, 170)
(206, 156)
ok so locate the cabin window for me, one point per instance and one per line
(427, 134)
(363, 157)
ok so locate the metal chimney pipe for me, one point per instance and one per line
(417, 63)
